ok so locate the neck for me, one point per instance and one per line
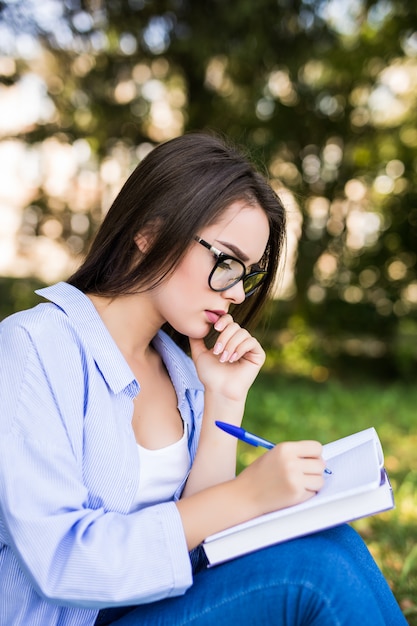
(131, 320)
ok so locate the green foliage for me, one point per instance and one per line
(324, 101)
(281, 408)
(18, 294)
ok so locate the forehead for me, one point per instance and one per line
(245, 226)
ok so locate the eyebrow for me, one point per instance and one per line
(236, 251)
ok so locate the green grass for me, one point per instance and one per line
(283, 409)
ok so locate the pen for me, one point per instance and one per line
(247, 437)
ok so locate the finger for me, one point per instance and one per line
(231, 335)
(229, 338)
(228, 342)
(229, 330)
(248, 349)
(223, 321)
(314, 484)
(313, 466)
(309, 449)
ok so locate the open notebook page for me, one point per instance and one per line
(355, 464)
(351, 441)
(354, 470)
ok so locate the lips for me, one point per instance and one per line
(213, 316)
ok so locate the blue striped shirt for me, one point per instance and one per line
(69, 470)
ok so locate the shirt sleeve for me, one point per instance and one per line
(71, 553)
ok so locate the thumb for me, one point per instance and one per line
(198, 347)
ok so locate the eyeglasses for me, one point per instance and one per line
(228, 271)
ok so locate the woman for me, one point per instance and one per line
(112, 470)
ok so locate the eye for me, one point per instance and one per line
(225, 263)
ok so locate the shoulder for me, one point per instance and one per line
(43, 371)
(46, 325)
(40, 342)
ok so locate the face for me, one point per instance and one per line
(185, 300)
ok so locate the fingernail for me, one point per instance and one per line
(224, 357)
(233, 357)
(218, 348)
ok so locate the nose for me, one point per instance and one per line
(235, 293)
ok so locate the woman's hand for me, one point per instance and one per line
(290, 473)
(286, 475)
(230, 368)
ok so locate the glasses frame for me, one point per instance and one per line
(222, 256)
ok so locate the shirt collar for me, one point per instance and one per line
(84, 316)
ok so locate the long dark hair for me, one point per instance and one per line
(179, 188)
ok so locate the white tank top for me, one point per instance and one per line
(161, 472)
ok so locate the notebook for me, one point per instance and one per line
(358, 487)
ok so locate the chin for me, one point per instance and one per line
(194, 333)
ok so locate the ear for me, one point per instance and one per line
(146, 236)
(143, 241)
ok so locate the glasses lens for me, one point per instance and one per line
(253, 281)
(226, 273)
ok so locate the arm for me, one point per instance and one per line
(213, 498)
(68, 473)
(227, 373)
(286, 475)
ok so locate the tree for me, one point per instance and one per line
(322, 93)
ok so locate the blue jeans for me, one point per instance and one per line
(326, 579)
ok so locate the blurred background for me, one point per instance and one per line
(323, 96)
(322, 93)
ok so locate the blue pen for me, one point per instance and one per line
(244, 435)
(253, 440)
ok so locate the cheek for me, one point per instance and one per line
(187, 294)
(187, 289)
(189, 277)
(182, 289)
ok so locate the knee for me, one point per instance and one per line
(337, 553)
